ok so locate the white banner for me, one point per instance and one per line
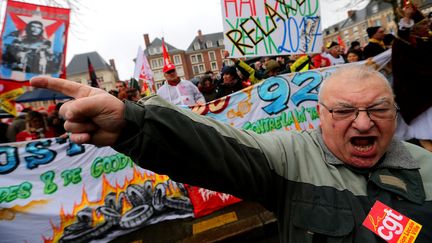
(144, 73)
(53, 190)
(271, 27)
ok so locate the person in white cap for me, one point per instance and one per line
(178, 91)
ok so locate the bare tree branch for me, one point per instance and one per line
(76, 7)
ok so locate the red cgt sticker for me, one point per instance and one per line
(391, 225)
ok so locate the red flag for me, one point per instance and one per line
(144, 74)
(166, 57)
(92, 74)
(341, 43)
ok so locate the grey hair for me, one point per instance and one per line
(356, 73)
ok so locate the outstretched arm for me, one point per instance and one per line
(94, 116)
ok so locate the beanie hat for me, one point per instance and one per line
(230, 70)
(272, 65)
(372, 30)
(331, 44)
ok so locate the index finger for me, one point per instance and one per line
(69, 88)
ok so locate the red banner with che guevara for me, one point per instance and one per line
(33, 42)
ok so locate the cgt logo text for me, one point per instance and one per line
(391, 225)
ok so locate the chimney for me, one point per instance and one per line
(351, 13)
(146, 40)
(200, 37)
(112, 63)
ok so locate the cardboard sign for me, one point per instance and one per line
(390, 225)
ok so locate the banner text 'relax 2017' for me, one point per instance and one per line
(271, 27)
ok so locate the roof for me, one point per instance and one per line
(426, 3)
(361, 15)
(214, 37)
(157, 42)
(78, 64)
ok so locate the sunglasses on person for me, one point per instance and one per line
(171, 71)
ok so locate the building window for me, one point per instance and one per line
(158, 75)
(222, 55)
(150, 50)
(180, 71)
(389, 18)
(196, 46)
(378, 22)
(196, 58)
(197, 69)
(156, 63)
(346, 33)
(355, 32)
(375, 9)
(177, 59)
(209, 44)
(214, 66)
(212, 56)
(159, 50)
(220, 42)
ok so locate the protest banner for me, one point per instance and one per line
(53, 190)
(271, 27)
(33, 41)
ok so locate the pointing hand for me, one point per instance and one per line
(94, 116)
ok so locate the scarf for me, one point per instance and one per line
(381, 43)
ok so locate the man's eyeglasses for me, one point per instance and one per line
(374, 114)
(171, 71)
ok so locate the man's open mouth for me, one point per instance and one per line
(363, 144)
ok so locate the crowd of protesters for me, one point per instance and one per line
(409, 45)
(412, 40)
(33, 124)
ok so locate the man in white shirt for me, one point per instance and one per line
(334, 53)
(178, 91)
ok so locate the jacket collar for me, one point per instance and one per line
(396, 172)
